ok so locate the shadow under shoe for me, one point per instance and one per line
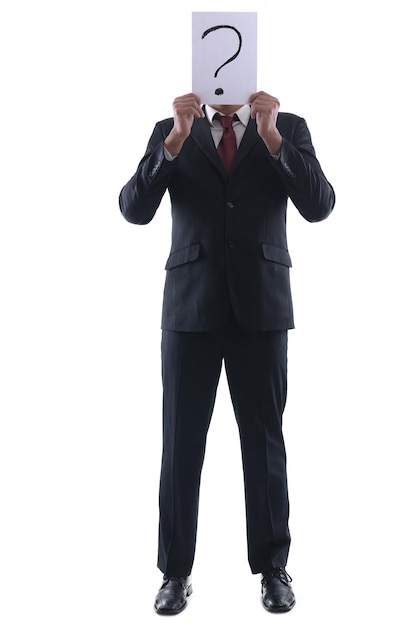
(277, 593)
(172, 596)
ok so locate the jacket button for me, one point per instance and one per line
(231, 243)
(230, 205)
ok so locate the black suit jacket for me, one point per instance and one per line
(229, 248)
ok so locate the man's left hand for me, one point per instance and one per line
(264, 108)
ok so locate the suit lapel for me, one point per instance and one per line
(201, 133)
(249, 140)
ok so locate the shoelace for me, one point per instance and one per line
(278, 572)
(177, 579)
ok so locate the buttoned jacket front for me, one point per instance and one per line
(229, 250)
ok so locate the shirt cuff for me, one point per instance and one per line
(168, 155)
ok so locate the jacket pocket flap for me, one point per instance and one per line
(278, 255)
(185, 255)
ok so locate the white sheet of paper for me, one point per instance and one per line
(217, 77)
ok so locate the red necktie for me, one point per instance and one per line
(227, 147)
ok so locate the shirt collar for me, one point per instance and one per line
(243, 114)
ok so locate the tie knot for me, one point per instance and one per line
(225, 120)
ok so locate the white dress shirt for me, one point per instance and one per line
(239, 125)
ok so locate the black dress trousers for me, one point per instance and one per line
(256, 369)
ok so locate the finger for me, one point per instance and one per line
(259, 107)
(257, 95)
(198, 106)
(187, 108)
(190, 110)
(190, 105)
(189, 96)
(266, 108)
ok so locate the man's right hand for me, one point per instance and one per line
(186, 108)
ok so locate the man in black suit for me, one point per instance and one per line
(229, 171)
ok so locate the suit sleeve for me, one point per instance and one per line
(142, 194)
(303, 177)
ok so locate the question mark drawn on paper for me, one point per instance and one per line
(219, 91)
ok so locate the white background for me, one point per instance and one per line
(82, 86)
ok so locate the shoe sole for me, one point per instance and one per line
(175, 611)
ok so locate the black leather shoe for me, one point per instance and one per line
(277, 594)
(172, 596)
